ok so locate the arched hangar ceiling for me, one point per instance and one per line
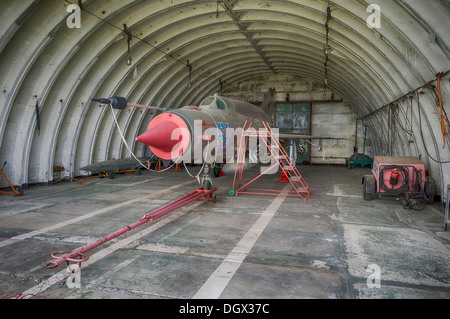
(182, 50)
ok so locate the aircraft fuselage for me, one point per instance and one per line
(190, 131)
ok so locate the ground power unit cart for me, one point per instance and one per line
(403, 178)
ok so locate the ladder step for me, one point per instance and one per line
(283, 159)
(255, 133)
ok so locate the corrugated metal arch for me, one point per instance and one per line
(41, 60)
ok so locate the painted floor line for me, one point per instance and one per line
(108, 183)
(62, 275)
(217, 282)
(44, 230)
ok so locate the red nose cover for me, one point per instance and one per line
(167, 136)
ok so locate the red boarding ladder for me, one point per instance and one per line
(288, 169)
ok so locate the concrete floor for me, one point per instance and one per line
(237, 248)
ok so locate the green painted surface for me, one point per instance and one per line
(295, 118)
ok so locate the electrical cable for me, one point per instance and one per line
(203, 166)
(410, 133)
(444, 117)
(423, 139)
(201, 170)
(401, 189)
(189, 66)
(129, 33)
(129, 149)
(145, 166)
(416, 194)
(318, 146)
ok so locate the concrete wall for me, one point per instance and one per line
(336, 120)
(330, 118)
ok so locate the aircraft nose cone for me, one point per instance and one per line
(167, 136)
(160, 136)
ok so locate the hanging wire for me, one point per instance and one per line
(132, 154)
(444, 116)
(121, 30)
(143, 40)
(426, 85)
(200, 171)
(395, 115)
(421, 134)
(147, 167)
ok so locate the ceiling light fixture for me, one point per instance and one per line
(327, 50)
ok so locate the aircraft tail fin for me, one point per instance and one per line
(268, 105)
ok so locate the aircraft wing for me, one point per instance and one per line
(292, 136)
(115, 164)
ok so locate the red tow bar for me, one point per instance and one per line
(147, 217)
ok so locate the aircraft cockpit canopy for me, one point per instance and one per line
(214, 101)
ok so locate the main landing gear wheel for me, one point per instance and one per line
(207, 186)
(207, 183)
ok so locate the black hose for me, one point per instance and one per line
(416, 198)
(398, 191)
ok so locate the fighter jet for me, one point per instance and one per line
(198, 134)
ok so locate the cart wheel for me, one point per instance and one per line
(368, 187)
(231, 192)
(366, 196)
